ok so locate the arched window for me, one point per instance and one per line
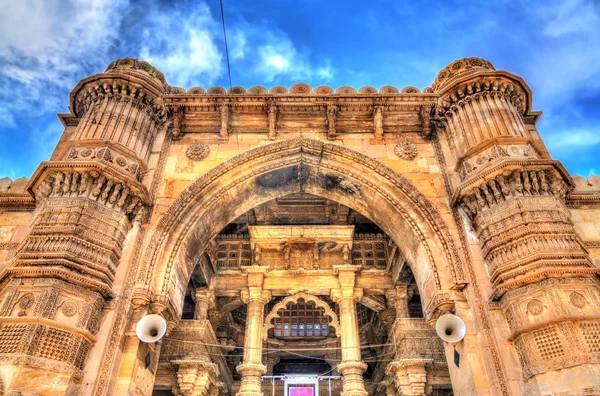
(301, 320)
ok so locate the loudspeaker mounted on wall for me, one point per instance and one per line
(450, 328)
(151, 328)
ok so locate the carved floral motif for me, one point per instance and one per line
(26, 301)
(69, 308)
(197, 151)
(577, 299)
(406, 150)
(535, 307)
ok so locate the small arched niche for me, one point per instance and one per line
(301, 316)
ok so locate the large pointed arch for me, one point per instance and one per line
(324, 169)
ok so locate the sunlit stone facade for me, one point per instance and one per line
(304, 234)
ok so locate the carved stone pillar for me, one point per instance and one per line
(215, 390)
(541, 275)
(352, 367)
(252, 367)
(224, 132)
(272, 112)
(378, 122)
(397, 298)
(388, 385)
(196, 377)
(87, 197)
(204, 299)
(332, 111)
(410, 376)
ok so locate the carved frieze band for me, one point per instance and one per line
(106, 156)
(95, 185)
(510, 184)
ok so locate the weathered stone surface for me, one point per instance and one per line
(235, 213)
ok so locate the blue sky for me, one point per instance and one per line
(47, 46)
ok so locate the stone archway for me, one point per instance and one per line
(278, 169)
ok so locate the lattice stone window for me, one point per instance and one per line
(591, 335)
(301, 320)
(548, 343)
(233, 253)
(369, 250)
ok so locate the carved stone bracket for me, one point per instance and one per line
(93, 181)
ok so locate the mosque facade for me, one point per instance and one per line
(300, 241)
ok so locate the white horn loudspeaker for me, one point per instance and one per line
(450, 328)
(151, 328)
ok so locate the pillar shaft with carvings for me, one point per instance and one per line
(252, 368)
(87, 197)
(352, 367)
(205, 300)
(514, 194)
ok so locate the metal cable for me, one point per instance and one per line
(226, 47)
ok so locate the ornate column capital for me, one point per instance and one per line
(206, 295)
(255, 293)
(344, 293)
(195, 377)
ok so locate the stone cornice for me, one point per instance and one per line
(576, 199)
(296, 100)
(17, 202)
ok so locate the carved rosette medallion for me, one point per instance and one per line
(69, 308)
(26, 301)
(406, 150)
(577, 300)
(197, 151)
(535, 307)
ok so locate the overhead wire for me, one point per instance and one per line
(226, 46)
(284, 349)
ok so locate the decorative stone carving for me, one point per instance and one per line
(197, 151)
(69, 308)
(294, 299)
(26, 301)
(535, 307)
(105, 155)
(300, 89)
(406, 150)
(324, 90)
(577, 299)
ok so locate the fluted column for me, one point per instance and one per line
(252, 367)
(352, 367)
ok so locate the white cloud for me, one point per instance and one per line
(46, 40)
(270, 54)
(567, 58)
(570, 17)
(46, 45)
(572, 138)
(187, 48)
